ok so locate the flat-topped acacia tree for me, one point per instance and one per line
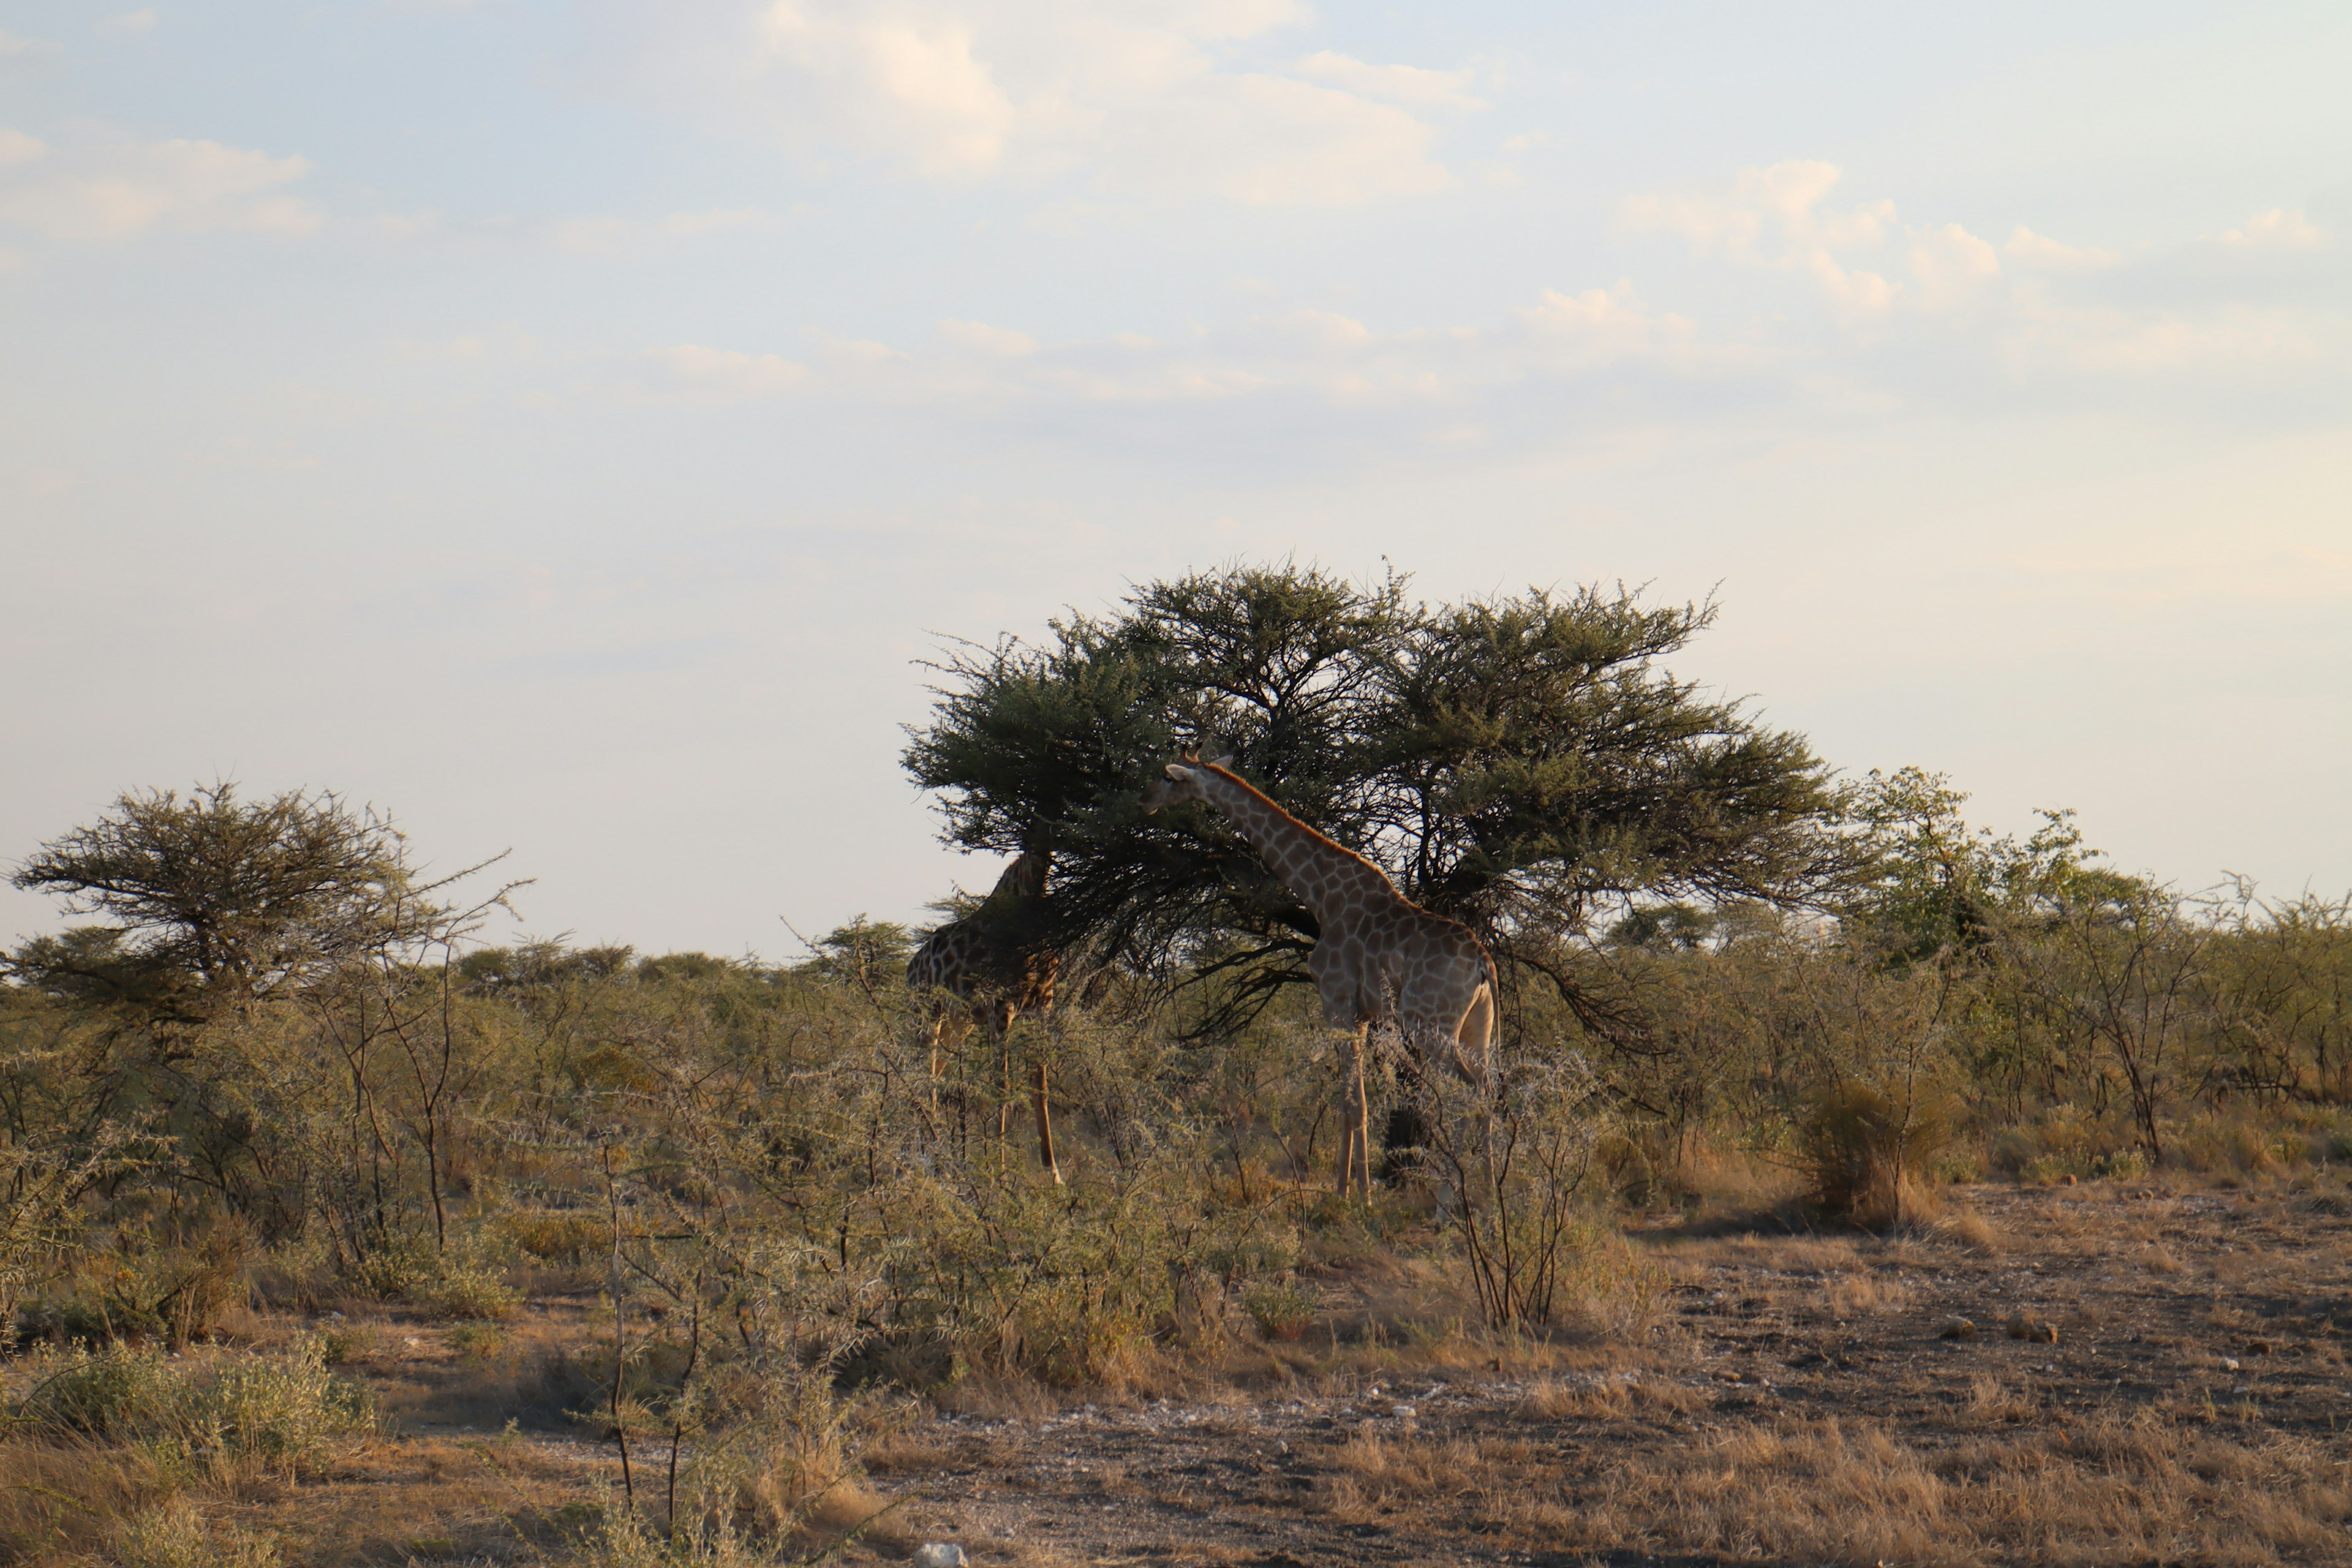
(1523, 763)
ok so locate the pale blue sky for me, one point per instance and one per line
(566, 425)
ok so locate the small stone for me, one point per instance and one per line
(1403, 1412)
(939, 1555)
(1957, 1329)
(2229, 1363)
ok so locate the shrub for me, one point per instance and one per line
(1868, 1154)
(275, 1409)
(116, 1392)
(478, 1342)
(467, 1290)
(455, 1283)
(559, 1236)
(173, 1535)
(1282, 1308)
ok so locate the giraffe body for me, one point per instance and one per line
(992, 963)
(1378, 957)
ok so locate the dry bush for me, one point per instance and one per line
(1867, 1153)
(173, 1534)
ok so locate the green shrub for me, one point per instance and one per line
(1282, 1308)
(478, 1342)
(276, 1409)
(466, 1290)
(116, 1392)
(559, 1236)
(453, 1283)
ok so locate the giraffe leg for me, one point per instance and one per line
(1044, 1124)
(939, 1024)
(1355, 1119)
(1002, 1019)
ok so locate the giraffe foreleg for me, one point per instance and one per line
(1039, 1096)
(1355, 1117)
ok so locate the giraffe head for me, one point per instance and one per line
(1179, 781)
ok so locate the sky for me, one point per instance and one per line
(569, 428)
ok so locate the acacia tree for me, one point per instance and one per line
(1519, 764)
(221, 910)
(213, 898)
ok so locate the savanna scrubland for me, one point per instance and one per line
(1849, 1185)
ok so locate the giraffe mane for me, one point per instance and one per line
(1325, 839)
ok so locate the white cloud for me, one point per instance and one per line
(909, 86)
(1782, 198)
(132, 24)
(1780, 215)
(2106, 341)
(611, 235)
(2279, 227)
(1949, 264)
(1319, 356)
(1398, 84)
(12, 47)
(1602, 326)
(1131, 98)
(113, 191)
(725, 374)
(16, 147)
(981, 338)
(1315, 331)
(2027, 249)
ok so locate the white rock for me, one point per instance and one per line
(939, 1555)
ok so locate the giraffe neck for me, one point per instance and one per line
(1328, 878)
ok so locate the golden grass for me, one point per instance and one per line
(2122, 1490)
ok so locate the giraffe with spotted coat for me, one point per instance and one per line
(1378, 957)
(992, 963)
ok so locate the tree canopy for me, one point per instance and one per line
(212, 898)
(1519, 762)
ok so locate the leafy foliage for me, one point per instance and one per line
(1517, 763)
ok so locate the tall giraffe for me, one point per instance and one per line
(991, 961)
(1380, 957)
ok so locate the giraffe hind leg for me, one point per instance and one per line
(1039, 1096)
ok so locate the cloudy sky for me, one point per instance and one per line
(568, 426)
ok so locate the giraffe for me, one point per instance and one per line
(1380, 957)
(989, 960)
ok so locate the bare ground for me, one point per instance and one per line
(2148, 1374)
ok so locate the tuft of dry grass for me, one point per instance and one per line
(1606, 1398)
(1856, 1295)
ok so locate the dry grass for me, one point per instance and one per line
(1856, 1295)
(2116, 1491)
(1787, 1401)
